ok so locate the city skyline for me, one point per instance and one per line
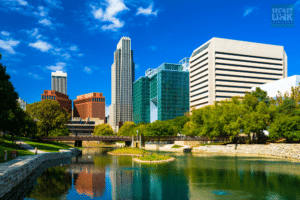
(40, 37)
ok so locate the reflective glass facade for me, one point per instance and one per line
(168, 95)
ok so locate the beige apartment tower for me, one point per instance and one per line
(122, 78)
(223, 68)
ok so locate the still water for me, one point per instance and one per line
(96, 175)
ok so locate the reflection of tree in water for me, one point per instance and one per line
(238, 175)
(52, 184)
(102, 162)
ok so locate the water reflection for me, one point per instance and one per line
(96, 175)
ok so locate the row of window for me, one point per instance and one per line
(232, 70)
(199, 83)
(192, 66)
(199, 72)
(49, 97)
(232, 54)
(230, 91)
(201, 49)
(233, 86)
(240, 60)
(259, 83)
(199, 93)
(199, 99)
(246, 77)
(248, 66)
(206, 102)
(199, 78)
(199, 57)
(199, 88)
(98, 99)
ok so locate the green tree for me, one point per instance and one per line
(127, 129)
(285, 126)
(141, 128)
(161, 128)
(190, 129)
(103, 129)
(8, 100)
(49, 116)
(179, 122)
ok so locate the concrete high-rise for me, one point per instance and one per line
(122, 77)
(59, 82)
(223, 68)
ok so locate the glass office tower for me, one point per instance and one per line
(162, 94)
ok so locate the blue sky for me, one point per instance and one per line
(80, 37)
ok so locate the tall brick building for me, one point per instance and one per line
(61, 98)
(90, 105)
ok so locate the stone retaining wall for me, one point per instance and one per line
(13, 172)
(166, 147)
(279, 150)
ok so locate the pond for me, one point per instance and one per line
(96, 175)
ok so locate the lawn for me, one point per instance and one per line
(49, 146)
(176, 146)
(128, 150)
(154, 156)
(7, 145)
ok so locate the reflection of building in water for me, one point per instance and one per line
(90, 180)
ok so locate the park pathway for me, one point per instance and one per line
(28, 147)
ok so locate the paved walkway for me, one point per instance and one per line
(28, 147)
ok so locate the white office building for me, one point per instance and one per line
(223, 68)
(122, 78)
(59, 82)
(22, 103)
(283, 86)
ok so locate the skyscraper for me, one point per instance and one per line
(122, 77)
(162, 94)
(59, 82)
(223, 68)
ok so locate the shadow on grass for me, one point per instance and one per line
(48, 146)
(9, 146)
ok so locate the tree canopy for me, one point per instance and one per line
(50, 117)
(127, 129)
(8, 100)
(103, 129)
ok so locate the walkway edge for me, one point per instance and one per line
(15, 171)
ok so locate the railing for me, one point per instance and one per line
(129, 138)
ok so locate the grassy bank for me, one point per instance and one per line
(48, 146)
(6, 144)
(176, 146)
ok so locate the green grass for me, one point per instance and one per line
(49, 146)
(122, 142)
(128, 150)
(7, 145)
(176, 146)
(153, 157)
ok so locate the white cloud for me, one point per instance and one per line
(137, 66)
(88, 70)
(153, 48)
(80, 55)
(33, 32)
(22, 2)
(66, 56)
(35, 76)
(114, 7)
(45, 22)
(146, 11)
(41, 45)
(5, 33)
(74, 48)
(8, 45)
(248, 10)
(59, 66)
(54, 4)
